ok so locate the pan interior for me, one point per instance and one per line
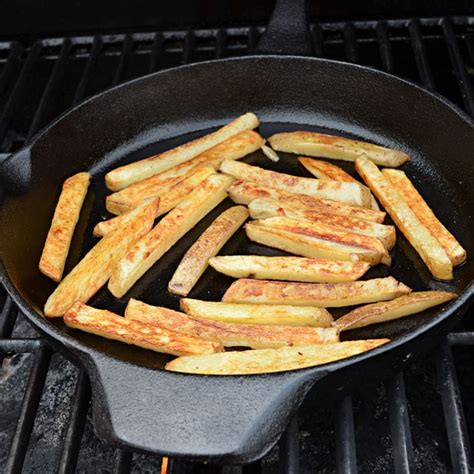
(28, 219)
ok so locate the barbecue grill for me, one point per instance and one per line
(418, 421)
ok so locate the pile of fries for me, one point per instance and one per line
(277, 307)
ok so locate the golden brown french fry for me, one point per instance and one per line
(129, 198)
(112, 326)
(234, 148)
(149, 249)
(324, 170)
(264, 208)
(195, 260)
(124, 176)
(354, 194)
(243, 192)
(322, 295)
(66, 215)
(314, 270)
(387, 310)
(429, 249)
(93, 271)
(270, 315)
(230, 334)
(338, 148)
(271, 360)
(422, 211)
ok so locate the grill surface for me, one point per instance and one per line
(414, 422)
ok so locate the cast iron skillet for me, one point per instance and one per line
(231, 419)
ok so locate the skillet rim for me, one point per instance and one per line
(72, 344)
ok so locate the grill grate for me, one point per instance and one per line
(45, 423)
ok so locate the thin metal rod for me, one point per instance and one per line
(29, 407)
(75, 429)
(290, 449)
(156, 52)
(317, 38)
(221, 40)
(350, 43)
(122, 461)
(124, 60)
(421, 57)
(346, 459)
(403, 458)
(461, 338)
(7, 318)
(19, 346)
(458, 437)
(11, 66)
(188, 47)
(385, 47)
(88, 70)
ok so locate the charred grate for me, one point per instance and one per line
(414, 422)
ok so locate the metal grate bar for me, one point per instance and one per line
(317, 37)
(400, 425)
(56, 74)
(252, 39)
(421, 56)
(122, 461)
(350, 43)
(385, 47)
(77, 420)
(26, 420)
(464, 338)
(221, 41)
(7, 318)
(89, 68)
(453, 413)
(290, 449)
(19, 91)
(124, 60)
(188, 47)
(156, 52)
(460, 72)
(11, 65)
(19, 346)
(346, 461)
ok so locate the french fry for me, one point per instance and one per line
(111, 326)
(354, 194)
(271, 360)
(93, 271)
(422, 211)
(230, 334)
(324, 170)
(271, 315)
(313, 270)
(388, 310)
(264, 208)
(429, 249)
(234, 148)
(320, 241)
(195, 260)
(322, 295)
(129, 198)
(243, 192)
(149, 249)
(269, 153)
(124, 176)
(338, 148)
(66, 215)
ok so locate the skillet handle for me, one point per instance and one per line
(288, 30)
(235, 419)
(15, 171)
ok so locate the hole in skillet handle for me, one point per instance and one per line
(15, 171)
(287, 32)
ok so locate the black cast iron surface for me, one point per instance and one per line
(349, 49)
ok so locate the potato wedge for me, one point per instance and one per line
(314, 270)
(128, 199)
(230, 334)
(429, 249)
(148, 250)
(124, 176)
(422, 211)
(159, 184)
(66, 215)
(265, 361)
(148, 336)
(338, 148)
(195, 260)
(270, 315)
(324, 170)
(264, 208)
(93, 271)
(387, 310)
(354, 194)
(322, 295)
(243, 192)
